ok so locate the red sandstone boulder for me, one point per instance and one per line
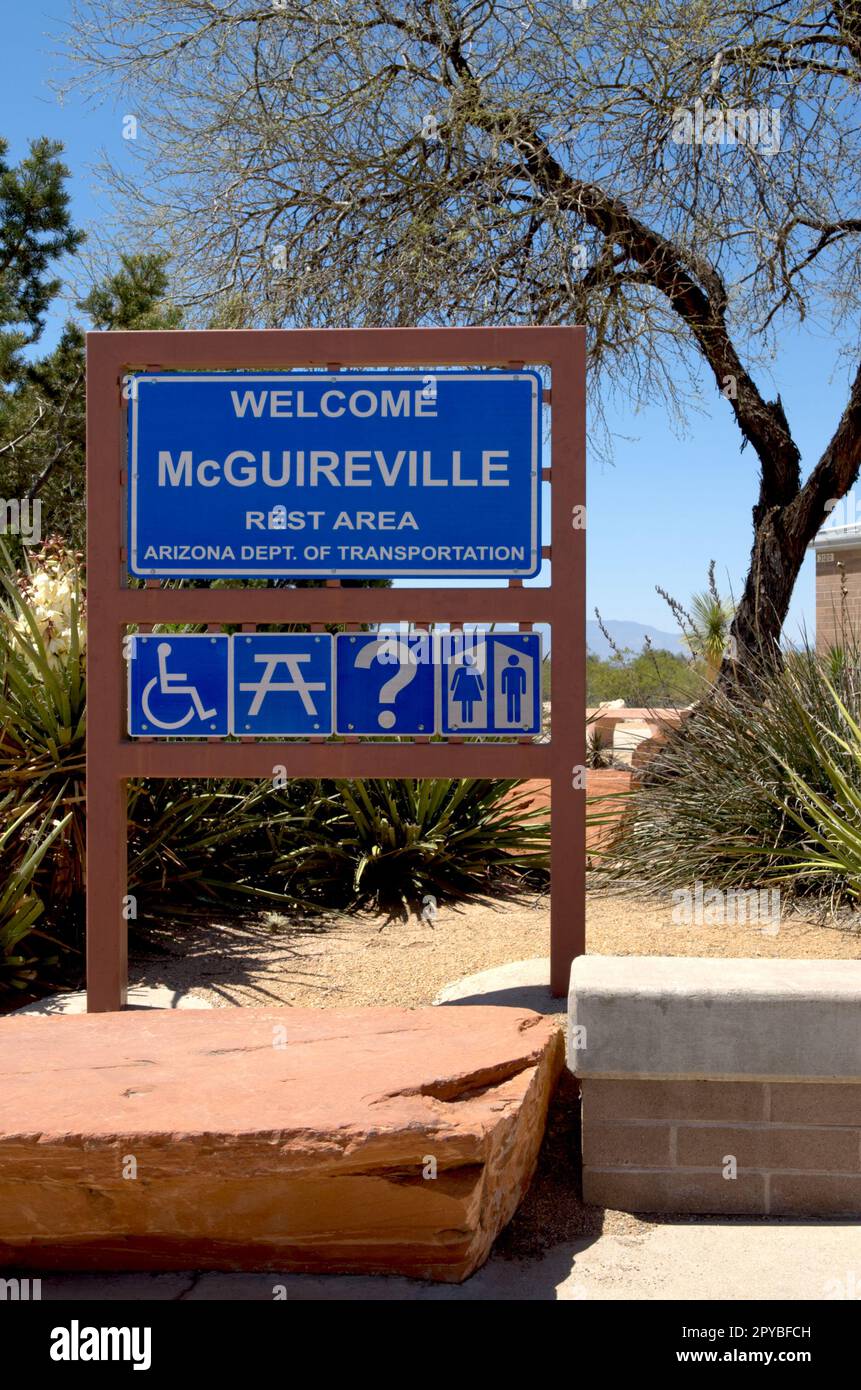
(288, 1139)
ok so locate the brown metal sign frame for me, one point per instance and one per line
(113, 757)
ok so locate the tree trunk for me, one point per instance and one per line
(785, 521)
(776, 558)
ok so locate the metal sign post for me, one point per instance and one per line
(113, 756)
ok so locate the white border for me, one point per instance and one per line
(392, 572)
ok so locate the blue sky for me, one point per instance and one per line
(657, 515)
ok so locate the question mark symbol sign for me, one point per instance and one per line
(404, 675)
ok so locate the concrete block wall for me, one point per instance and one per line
(719, 1086)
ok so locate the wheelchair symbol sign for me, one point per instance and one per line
(179, 685)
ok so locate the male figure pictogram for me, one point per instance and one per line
(513, 682)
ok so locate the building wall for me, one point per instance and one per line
(833, 613)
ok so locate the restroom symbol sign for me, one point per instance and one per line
(385, 684)
(493, 685)
(282, 684)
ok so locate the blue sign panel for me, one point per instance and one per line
(385, 685)
(354, 474)
(493, 686)
(286, 685)
(179, 685)
(282, 683)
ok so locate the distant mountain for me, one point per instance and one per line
(632, 635)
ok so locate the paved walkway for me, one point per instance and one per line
(696, 1260)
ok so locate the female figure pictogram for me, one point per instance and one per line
(467, 688)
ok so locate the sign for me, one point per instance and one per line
(383, 685)
(262, 684)
(179, 685)
(298, 684)
(351, 474)
(282, 684)
(493, 688)
(291, 452)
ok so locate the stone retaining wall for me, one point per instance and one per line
(719, 1085)
(603, 783)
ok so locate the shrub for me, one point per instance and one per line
(23, 846)
(195, 844)
(650, 679)
(42, 717)
(599, 750)
(188, 843)
(762, 786)
(388, 842)
(827, 852)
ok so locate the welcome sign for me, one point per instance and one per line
(338, 474)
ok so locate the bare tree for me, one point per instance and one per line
(679, 176)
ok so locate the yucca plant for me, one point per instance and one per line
(758, 784)
(42, 707)
(388, 842)
(826, 816)
(706, 627)
(599, 750)
(194, 843)
(712, 616)
(24, 842)
(189, 843)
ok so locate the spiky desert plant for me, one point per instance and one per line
(755, 786)
(705, 628)
(24, 841)
(43, 706)
(194, 844)
(826, 812)
(190, 843)
(388, 842)
(709, 639)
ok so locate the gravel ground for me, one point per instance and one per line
(356, 960)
